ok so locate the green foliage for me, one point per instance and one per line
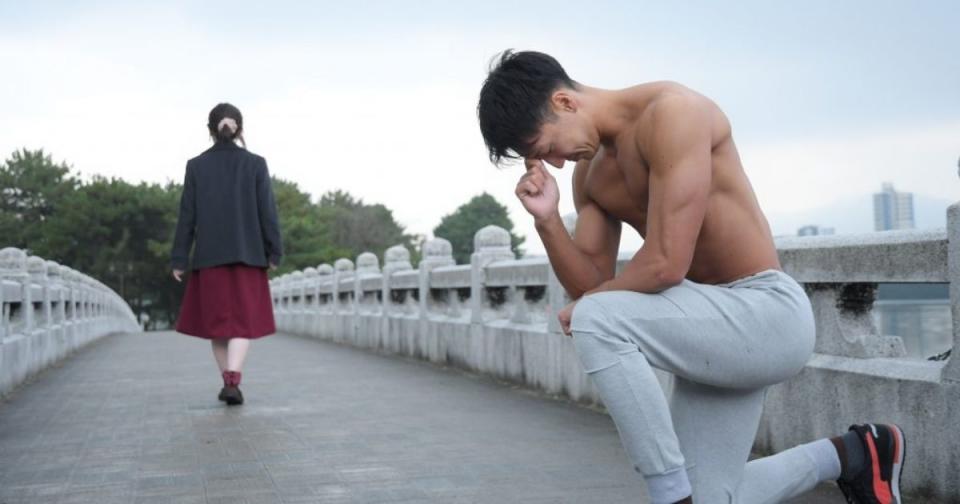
(32, 188)
(122, 233)
(356, 227)
(460, 226)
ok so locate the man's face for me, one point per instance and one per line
(563, 137)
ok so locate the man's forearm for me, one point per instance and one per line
(644, 273)
(573, 268)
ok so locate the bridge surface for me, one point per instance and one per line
(133, 418)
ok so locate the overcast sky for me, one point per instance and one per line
(827, 99)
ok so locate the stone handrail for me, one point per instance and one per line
(497, 315)
(48, 311)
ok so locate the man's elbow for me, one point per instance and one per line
(576, 293)
(670, 275)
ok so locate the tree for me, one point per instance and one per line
(32, 187)
(121, 234)
(352, 227)
(302, 230)
(460, 226)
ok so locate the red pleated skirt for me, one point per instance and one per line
(227, 301)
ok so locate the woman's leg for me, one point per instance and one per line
(236, 353)
(220, 353)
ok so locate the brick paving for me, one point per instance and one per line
(133, 418)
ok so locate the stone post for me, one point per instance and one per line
(296, 296)
(397, 258)
(952, 371)
(343, 268)
(37, 270)
(437, 252)
(344, 320)
(490, 244)
(310, 306)
(325, 275)
(13, 266)
(367, 264)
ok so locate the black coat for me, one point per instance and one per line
(228, 206)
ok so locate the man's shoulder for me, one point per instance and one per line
(677, 112)
(672, 103)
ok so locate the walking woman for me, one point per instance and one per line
(228, 206)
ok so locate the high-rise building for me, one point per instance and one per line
(814, 230)
(892, 209)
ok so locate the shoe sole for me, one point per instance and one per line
(901, 450)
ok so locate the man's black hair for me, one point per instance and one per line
(514, 100)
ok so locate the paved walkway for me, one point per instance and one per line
(134, 419)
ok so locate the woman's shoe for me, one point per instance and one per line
(232, 396)
(231, 388)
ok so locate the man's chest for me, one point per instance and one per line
(620, 186)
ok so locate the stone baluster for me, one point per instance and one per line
(37, 271)
(397, 258)
(491, 243)
(343, 268)
(952, 371)
(437, 253)
(325, 277)
(367, 265)
(13, 266)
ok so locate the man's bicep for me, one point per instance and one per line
(597, 236)
(680, 179)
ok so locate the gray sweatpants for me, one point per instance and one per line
(724, 344)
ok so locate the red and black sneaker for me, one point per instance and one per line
(879, 480)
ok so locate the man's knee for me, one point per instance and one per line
(597, 340)
(589, 316)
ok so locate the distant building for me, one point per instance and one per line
(814, 230)
(892, 209)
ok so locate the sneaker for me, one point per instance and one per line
(879, 481)
(223, 391)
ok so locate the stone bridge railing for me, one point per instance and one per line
(48, 311)
(496, 316)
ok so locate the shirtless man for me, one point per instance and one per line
(703, 299)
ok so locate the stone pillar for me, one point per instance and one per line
(83, 297)
(58, 311)
(325, 312)
(367, 264)
(490, 244)
(952, 370)
(37, 271)
(437, 252)
(325, 276)
(343, 268)
(277, 291)
(310, 306)
(344, 319)
(557, 297)
(365, 334)
(397, 258)
(70, 295)
(13, 266)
